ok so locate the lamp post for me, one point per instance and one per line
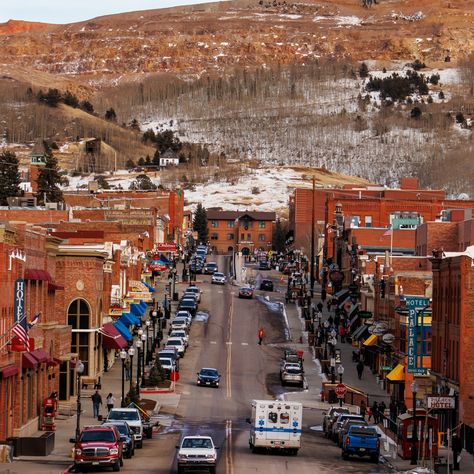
(154, 315)
(340, 371)
(79, 371)
(144, 339)
(414, 436)
(123, 356)
(326, 326)
(139, 348)
(148, 351)
(131, 353)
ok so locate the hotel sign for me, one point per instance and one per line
(415, 305)
(19, 304)
(441, 403)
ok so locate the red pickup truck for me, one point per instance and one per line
(98, 446)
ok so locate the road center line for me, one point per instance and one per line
(229, 351)
(229, 464)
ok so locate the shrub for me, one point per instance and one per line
(441, 95)
(415, 112)
(434, 79)
(129, 164)
(459, 117)
(417, 65)
(363, 70)
(255, 190)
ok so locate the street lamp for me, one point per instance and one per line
(131, 353)
(340, 371)
(326, 326)
(144, 339)
(154, 315)
(123, 356)
(414, 436)
(139, 347)
(79, 371)
(148, 351)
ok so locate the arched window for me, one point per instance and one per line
(78, 316)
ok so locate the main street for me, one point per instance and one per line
(228, 342)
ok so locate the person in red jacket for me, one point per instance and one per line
(342, 332)
(260, 336)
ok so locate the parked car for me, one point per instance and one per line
(208, 376)
(183, 314)
(340, 420)
(330, 417)
(178, 323)
(183, 334)
(195, 267)
(178, 343)
(196, 290)
(266, 285)
(170, 353)
(168, 365)
(264, 265)
(361, 441)
(98, 446)
(188, 305)
(246, 292)
(126, 436)
(345, 428)
(210, 268)
(293, 356)
(197, 452)
(218, 278)
(291, 373)
(134, 420)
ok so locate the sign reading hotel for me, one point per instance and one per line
(19, 303)
(441, 403)
(415, 305)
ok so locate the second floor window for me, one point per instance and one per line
(261, 224)
(230, 236)
(214, 236)
(242, 236)
(230, 224)
(261, 237)
(213, 223)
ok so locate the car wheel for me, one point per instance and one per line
(121, 462)
(180, 470)
(140, 444)
(375, 459)
(212, 470)
(116, 467)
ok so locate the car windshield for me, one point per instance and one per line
(336, 413)
(99, 435)
(218, 274)
(363, 431)
(245, 289)
(293, 370)
(122, 427)
(124, 415)
(208, 372)
(197, 443)
(192, 289)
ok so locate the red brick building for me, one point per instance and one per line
(453, 342)
(241, 231)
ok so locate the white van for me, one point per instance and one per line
(276, 425)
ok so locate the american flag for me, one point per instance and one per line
(21, 331)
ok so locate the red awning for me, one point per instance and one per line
(40, 355)
(53, 286)
(36, 274)
(52, 362)
(111, 338)
(9, 371)
(29, 362)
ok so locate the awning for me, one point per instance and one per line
(144, 305)
(37, 274)
(149, 287)
(122, 329)
(360, 332)
(128, 319)
(111, 338)
(9, 371)
(54, 287)
(397, 374)
(353, 320)
(52, 362)
(354, 309)
(40, 355)
(340, 295)
(344, 301)
(371, 341)
(137, 310)
(28, 361)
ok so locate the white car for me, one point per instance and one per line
(183, 314)
(196, 290)
(179, 323)
(178, 343)
(197, 452)
(182, 334)
(218, 278)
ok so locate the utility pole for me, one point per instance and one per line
(312, 239)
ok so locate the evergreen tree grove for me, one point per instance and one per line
(200, 223)
(9, 177)
(48, 182)
(279, 236)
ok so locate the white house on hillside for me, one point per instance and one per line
(169, 157)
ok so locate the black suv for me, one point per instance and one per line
(266, 285)
(126, 436)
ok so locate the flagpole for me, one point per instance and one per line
(391, 244)
(8, 335)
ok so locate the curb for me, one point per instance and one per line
(157, 391)
(68, 469)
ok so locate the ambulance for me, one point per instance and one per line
(276, 425)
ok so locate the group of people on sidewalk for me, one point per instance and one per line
(97, 403)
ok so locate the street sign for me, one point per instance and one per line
(340, 390)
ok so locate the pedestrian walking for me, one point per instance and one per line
(96, 403)
(110, 402)
(382, 408)
(342, 333)
(375, 412)
(260, 336)
(320, 307)
(393, 411)
(323, 295)
(457, 448)
(127, 369)
(328, 305)
(330, 320)
(337, 320)
(360, 369)
(363, 408)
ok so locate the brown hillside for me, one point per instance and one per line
(213, 37)
(12, 27)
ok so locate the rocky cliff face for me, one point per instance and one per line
(191, 40)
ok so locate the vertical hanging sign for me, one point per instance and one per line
(415, 305)
(19, 306)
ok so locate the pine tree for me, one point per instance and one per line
(9, 177)
(48, 182)
(111, 115)
(200, 223)
(279, 236)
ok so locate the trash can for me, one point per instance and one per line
(175, 296)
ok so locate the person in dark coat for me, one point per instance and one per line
(375, 412)
(457, 448)
(360, 369)
(382, 408)
(320, 307)
(393, 411)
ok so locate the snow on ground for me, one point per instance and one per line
(271, 187)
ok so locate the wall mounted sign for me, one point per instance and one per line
(416, 305)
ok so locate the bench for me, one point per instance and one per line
(86, 381)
